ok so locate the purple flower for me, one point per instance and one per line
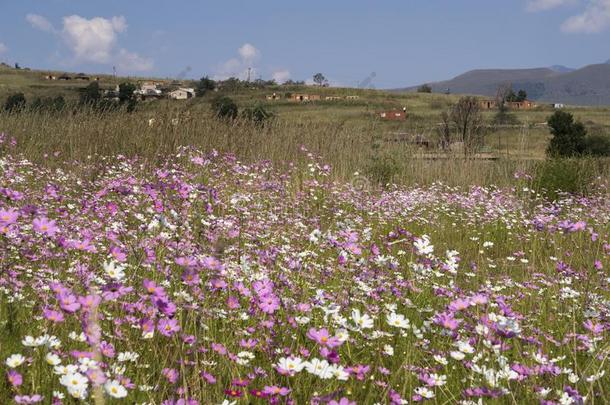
(168, 327)
(44, 226)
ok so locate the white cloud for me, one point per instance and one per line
(39, 22)
(3, 48)
(132, 62)
(543, 5)
(238, 67)
(594, 19)
(280, 76)
(248, 52)
(94, 40)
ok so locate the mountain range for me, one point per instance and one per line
(589, 85)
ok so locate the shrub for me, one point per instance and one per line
(15, 103)
(574, 176)
(424, 88)
(257, 115)
(224, 108)
(568, 136)
(382, 169)
(597, 145)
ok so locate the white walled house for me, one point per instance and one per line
(182, 94)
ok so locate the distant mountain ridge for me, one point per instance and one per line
(589, 85)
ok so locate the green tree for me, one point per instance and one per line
(127, 96)
(15, 103)
(204, 85)
(319, 79)
(258, 115)
(521, 95)
(597, 145)
(224, 108)
(424, 88)
(568, 136)
(91, 94)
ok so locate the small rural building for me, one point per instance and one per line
(64, 77)
(393, 115)
(333, 98)
(352, 97)
(521, 105)
(50, 77)
(182, 94)
(82, 76)
(274, 96)
(305, 97)
(488, 104)
(558, 106)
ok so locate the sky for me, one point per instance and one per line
(381, 43)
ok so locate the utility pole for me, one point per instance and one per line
(249, 71)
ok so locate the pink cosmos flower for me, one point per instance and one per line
(14, 378)
(168, 327)
(269, 304)
(68, 302)
(275, 390)
(28, 399)
(322, 337)
(8, 217)
(52, 315)
(44, 226)
(342, 401)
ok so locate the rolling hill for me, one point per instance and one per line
(589, 85)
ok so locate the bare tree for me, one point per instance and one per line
(466, 116)
(444, 131)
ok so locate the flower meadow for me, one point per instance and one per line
(205, 280)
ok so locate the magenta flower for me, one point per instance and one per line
(52, 315)
(68, 302)
(275, 390)
(44, 226)
(168, 327)
(322, 337)
(269, 304)
(342, 401)
(8, 217)
(28, 399)
(14, 378)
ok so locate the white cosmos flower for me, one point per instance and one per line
(457, 355)
(363, 321)
(114, 271)
(115, 389)
(29, 341)
(52, 359)
(425, 392)
(423, 246)
(339, 372)
(290, 364)
(14, 360)
(76, 384)
(398, 321)
(320, 368)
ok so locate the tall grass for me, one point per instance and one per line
(151, 135)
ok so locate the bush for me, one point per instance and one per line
(257, 115)
(424, 89)
(597, 145)
(568, 136)
(574, 176)
(15, 103)
(224, 108)
(382, 169)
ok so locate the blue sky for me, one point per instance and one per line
(403, 42)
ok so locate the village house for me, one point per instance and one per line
(393, 115)
(352, 97)
(50, 77)
(274, 96)
(333, 98)
(558, 106)
(513, 105)
(305, 97)
(182, 94)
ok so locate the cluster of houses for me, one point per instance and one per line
(513, 105)
(81, 76)
(302, 97)
(154, 90)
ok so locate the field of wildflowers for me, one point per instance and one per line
(205, 280)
